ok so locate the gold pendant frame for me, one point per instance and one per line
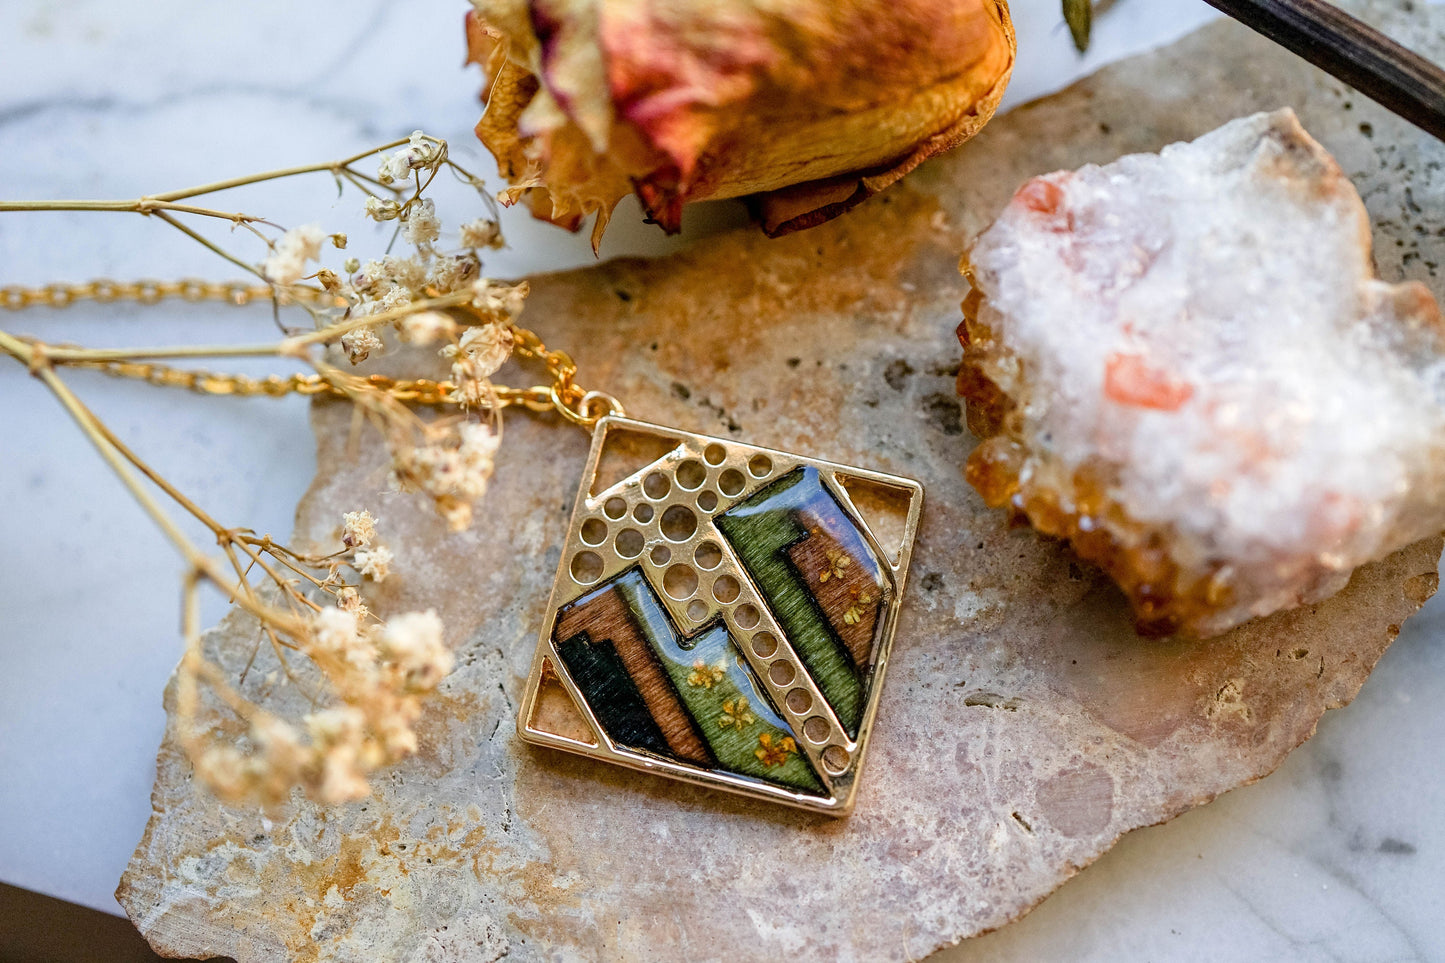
(602, 544)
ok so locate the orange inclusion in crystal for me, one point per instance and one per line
(1041, 196)
(1131, 380)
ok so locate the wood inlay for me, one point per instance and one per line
(596, 669)
(844, 586)
(722, 695)
(604, 615)
(761, 530)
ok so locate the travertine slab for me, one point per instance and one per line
(1024, 726)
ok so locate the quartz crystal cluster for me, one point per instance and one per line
(1184, 364)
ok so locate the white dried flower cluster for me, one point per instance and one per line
(475, 358)
(286, 263)
(485, 347)
(498, 300)
(421, 153)
(348, 599)
(382, 208)
(374, 563)
(453, 272)
(413, 643)
(483, 232)
(377, 279)
(424, 327)
(380, 675)
(339, 744)
(357, 529)
(359, 344)
(453, 466)
(421, 225)
(266, 774)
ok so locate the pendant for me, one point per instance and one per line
(722, 614)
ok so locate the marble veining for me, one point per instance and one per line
(1337, 856)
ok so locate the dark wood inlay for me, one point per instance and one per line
(604, 615)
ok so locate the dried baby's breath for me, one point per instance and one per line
(374, 563)
(360, 344)
(366, 677)
(422, 226)
(482, 232)
(424, 327)
(287, 261)
(357, 529)
(481, 351)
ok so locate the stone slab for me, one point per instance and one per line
(1024, 727)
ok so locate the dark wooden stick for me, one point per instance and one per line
(1364, 58)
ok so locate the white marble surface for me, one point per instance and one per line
(1337, 856)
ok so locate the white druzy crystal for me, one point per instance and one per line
(1203, 328)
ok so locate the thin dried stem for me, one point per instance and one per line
(63, 355)
(166, 200)
(375, 673)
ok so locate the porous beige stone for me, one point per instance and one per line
(1025, 726)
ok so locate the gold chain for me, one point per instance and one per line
(578, 405)
(144, 292)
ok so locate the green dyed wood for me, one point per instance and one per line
(760, 530)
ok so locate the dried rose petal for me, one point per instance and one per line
(811, 111)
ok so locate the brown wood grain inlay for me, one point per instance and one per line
(606, 616)
(846, 588)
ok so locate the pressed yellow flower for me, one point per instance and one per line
(856, 611)
(705, 676)
(736, 715)
(838, 563)
(773, 754)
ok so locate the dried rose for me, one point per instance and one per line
(812, 105)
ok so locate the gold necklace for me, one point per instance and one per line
(722, 615)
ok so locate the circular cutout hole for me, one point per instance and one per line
(760, 465)
(764, 644)
(816, 729)
(708, 555)
(746, 615)
(679, 523)
(586, 567)
(731, 482)
(707, 501)
(643, 513)
(594, 531)
(661, 555)
(782, 673)
(715, 454)
(835, 759)
(800, 701)
(697, 610)
(726, 589)
(615, 507)
(628, 543)
(656, 485)
(680, 582)
(691, 475)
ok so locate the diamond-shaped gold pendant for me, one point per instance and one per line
(722, 614)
